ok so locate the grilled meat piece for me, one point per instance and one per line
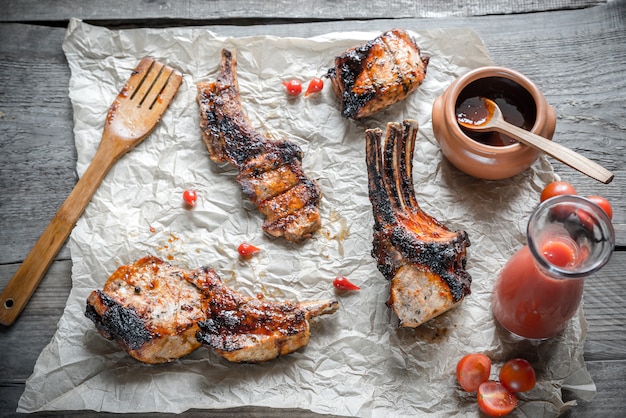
(158, 313)
(372, 77)
(424, 260)
(151, 309)
(270, 171)
(252, 330)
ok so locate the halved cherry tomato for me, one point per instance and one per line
(472, 370)
(315, 85)
(604, 204)
(518, 375)
(190, 197)
(246, 250)
(495, 400)
(556, 188)
(342, 283)
(294, 87)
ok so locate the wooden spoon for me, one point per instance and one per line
(494, 121)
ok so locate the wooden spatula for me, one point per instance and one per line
(132, 116)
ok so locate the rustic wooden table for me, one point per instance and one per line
(574, 51)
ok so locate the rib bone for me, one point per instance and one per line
(423, 259)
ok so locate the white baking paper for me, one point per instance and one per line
(358, 363)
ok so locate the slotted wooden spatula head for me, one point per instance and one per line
(142, 101)
(133, 115)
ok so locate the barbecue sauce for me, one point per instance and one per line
(516, 104)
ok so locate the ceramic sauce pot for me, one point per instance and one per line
(492, 156)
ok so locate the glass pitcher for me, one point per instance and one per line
(540, 288)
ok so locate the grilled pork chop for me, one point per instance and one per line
(157, 313)
(424, 260)
(372, 77)
(270, 171)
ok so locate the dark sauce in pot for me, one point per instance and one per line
(517, 106)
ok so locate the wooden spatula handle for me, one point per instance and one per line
(27, 278)
(23, 284)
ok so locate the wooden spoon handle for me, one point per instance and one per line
(557, 151)
(21, 287)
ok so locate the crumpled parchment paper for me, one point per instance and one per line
(358, 363)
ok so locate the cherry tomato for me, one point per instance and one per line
(556, 188)
(495, 400)
(472, 370)
(603, 203)
(342, 283)
(294, 87)
(315, 85)
(517, 375)
(246, 250)
(562, 211)
(190, 197)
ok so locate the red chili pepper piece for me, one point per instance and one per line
(294, 87)
(247, 250)
(343, 283)
(315, 85)
(190, 196)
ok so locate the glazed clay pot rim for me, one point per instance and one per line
(488, 72)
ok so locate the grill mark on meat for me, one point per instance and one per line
(267, 184)
(157, 313)
(405, 59)
(371, 77)
(289, 201)
(270, 171)
(423, 259)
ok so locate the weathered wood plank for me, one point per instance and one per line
(603, 304)
(22, 343)
(120, 10)
(588, 92)
(609, 401)
(37, 147)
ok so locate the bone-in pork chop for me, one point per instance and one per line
(157, 313)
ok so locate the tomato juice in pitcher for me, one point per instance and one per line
(540, 288)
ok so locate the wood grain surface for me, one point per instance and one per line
(122, 11)
(574, 54)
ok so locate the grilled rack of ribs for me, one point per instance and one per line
(157, 313)
(423, 259)
(372, 77)
(270, 171)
